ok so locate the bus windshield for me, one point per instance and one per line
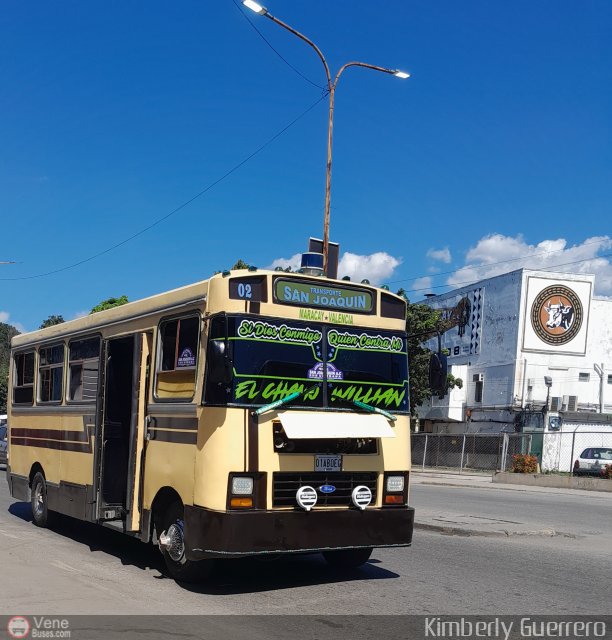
(331, 366)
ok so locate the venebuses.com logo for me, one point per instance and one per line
(19, 627)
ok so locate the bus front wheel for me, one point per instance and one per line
(172, 545)
(347, 558)
(41, 515)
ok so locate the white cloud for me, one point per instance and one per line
(495, 254)
(294, 262)
(5, 317)
(376, 267)
(443, 255)
(80, 314)
(422, 285)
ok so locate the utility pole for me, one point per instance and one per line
(600, 372)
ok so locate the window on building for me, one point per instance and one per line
(584, 376)
(177, 359)
(478, 379)
(50, 373)
(609, 378)
(23, 382)
(83, 365)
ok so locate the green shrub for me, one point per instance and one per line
(524, 463)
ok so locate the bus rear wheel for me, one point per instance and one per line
(41, 516)
(172, 545)
(348, 558)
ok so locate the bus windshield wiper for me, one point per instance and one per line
(371, 409)
(296, 394)
(280, 403)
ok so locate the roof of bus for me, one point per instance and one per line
(153, 304)
(138, 308)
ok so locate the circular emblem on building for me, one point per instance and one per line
(556, 315)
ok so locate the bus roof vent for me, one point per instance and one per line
(312, 264)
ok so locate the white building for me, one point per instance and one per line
(518, 340)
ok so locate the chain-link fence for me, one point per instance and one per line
(561, 452)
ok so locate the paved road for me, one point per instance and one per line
(586, 515)
(79, 568)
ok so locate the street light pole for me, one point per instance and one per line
(331, 89)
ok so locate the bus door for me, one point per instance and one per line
(121, 426)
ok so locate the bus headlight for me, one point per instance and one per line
(242, 486)
(395, 484)
(395, 489)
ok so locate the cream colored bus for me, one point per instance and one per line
(253, 413)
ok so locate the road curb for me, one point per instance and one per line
(467, 533)
(458, 531)
(461, 485)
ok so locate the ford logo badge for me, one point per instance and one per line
(327, 488)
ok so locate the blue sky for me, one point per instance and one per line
(495, 154)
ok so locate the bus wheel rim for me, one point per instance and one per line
(176, 548)
(38, 499)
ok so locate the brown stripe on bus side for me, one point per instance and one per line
(51, 434)
(177, 437)
(52, 444)
(171, 422)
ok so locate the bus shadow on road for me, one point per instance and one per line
(128, 550)
(245, 575)
(252, 575)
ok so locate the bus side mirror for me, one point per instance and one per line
(438, 373)
(220, 365)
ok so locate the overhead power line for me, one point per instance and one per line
(177, 209)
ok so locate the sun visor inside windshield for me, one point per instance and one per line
(305, 424)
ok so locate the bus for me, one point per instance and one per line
(254, 413)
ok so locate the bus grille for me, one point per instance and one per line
(285, 486)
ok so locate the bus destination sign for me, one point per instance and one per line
(323, 296)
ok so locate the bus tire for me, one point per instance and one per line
(347, 558)
(181, 569)
(41, 516)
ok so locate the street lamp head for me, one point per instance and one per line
(401, 74)
(253, 6)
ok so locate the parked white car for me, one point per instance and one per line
(592, 461)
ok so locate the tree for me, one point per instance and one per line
(6, 333)
(240, 264)
(422, 323)
(109, 304)
(51, 321)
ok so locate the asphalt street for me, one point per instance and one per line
(79, 568)
(511, 510)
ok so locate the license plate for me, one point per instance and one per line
(328, 463)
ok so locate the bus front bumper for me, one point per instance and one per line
(210, 534)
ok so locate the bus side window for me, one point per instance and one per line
(83, 365)
(50, 373)
(23, 387)
(177, 359)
